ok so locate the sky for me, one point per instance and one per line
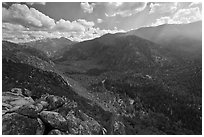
(79, 21)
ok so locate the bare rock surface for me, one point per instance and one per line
(48, 114)
(16, 124)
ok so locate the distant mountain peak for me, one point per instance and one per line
(52, 47)
(182, 37)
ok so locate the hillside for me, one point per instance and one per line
(27, 55)
(102, 68)
(177, 37)
(121, 84)
(117, 69)
(24, 74)
(52, 47)
(114, 52)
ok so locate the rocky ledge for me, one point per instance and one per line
(23, 114)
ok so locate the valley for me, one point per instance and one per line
(129, 84)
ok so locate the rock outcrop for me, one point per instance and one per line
(55, 119)
(17, 124)
(49, 114)
(57, 132)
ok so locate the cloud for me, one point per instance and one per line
(163, 7)
(26, 36)
(196, 4)
(99, 20)
(28, 3)
(79, 25)
(164, 20)
(67, 26)
(38, 3)
(87, 7)
(188, 15)
(23, 24)
(124, 9)
(16, 38)
(193, 4)
(97, 32)
(86, 23)
(13, 27)
(180, 17)
(21, 14)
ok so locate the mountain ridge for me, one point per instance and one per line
(177, 37)
(52, 47)
(127, 84)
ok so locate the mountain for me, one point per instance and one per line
(163, 84)
(114, 84)
(28, 80)
(53, 48)
(114, 52)
(27, 55)
(177, 37)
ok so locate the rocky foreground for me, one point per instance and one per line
(24, 114)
